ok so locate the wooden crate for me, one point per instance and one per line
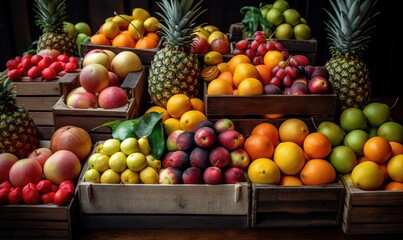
(307, 48)
(40, 221)
(276, 206)
(38, 96)
(372, 212)
(163, 206)
(134, 84)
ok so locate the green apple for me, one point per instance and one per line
(129, 177)
(129, 145)
(333, 131)
(353, 118)
(154, 163)
(110, 176)
(292, 17)
(99, 161)
(83, 27)
(117, 162)
(302, 32)
(281, 5)
(111, 146)
(70, 29)
(136, 161)
(275, 16)
(391, 131)
(356, 140)
(284, 31)
(377, 113)
(80, 38)
(92, 175)
(343, 159)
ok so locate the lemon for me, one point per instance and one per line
(211, 28)
(92, 175)
(367, 176)
(117, 162)
(395, 168)
(123, 20)
(111, 146)
(110, 176)
(110, 29)
(152, 24)
(149, 175)
(136, 29)
(264, 170)
(289, 157)
(140, 14)
(170, 125)
(99, 162)
(213, 58)
(129, 177)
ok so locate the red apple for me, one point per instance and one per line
(113, 79)
(75, 90)
(94, 77)
(186, 141)
(320, 71)
(239, 158)
(234, 175)
(301, 79)
(170, 175)
(298, 88)
(200, 45)
(213, 175)
(41, 154)
(205, 137)
(82, 100)
(72, 138)
(112, 97)
(7, 160)
(318, 85)
(220, 45)
(229, 139)
(24, 171)
(62, 165)
(199, 157)
(192, 175)
(223, 124)
(177, 159)
(219, 157)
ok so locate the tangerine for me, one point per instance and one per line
(237, 59)
(290, 180)
(178, 104)
(317, 145)
(198, 104)
(100, 39)
(250, 86)
(269, 130)
(264, 170)
(317, 172)
(272, 58)
(159, 109)
(397, 148)
(377, 149)
(259, 146)
(394, 186)
(293, 130)
(227, 75)
(146, 43)
(153, 35)
(219, 87)
(123, 40)
(264, 73)
(243, 71)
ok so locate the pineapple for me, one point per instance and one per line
(50, 18)
(18, 132)
(349, 30)
(175, 69)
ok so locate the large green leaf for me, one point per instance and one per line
(157, 141)
(147, 124)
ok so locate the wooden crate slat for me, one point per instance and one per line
(38, 103)
(27, 212)
(295, 220)
(42, 117)
(46, 132)
(302, 207)
(373, 228)
(37, 88)
(33, 224)
(375, 214)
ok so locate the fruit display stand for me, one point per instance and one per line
(163, 205)
(134, 84)
(372, 212)
(39, 96)
(307, 48)
(276, 206)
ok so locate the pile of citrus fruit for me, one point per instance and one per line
(138, 30)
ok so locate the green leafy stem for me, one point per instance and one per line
(254, 21)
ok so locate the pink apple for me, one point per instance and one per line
(75, 90)
(219, 157)
(199, 157)
(229, 139)
(171, 140)
(177, 159)
(41, 155)
(318, 85)
(94, 77)
(200, 45)
(7, 160)
(192, 175)
(223, 124)
(24, 171)
(112, 97)
(205, 137)
(113, 79)
(234, 175)
(241, 140)
(239, 158)
(170, 175)
(62, 165)
(101, 58)
(213, 175)
(82, 100)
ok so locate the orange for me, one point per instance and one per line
(290, 180)
(250, 86)
(100, 39)
(293, 130)
(394, 186)
(377, 149)
(153, 35)
(146, 43)
(259, 146)
(159, 109)
(198, 104)
(227, 75)
(272, 58)
(178, 104)
(397, 148)
(268, 130)
(264, 170)
(273, 115)
(289, 157)
(190, 119)
(235, 60)
(264, 73)
(222, 67)
(317, 172)
(317, 145)
(219, 87)
(243, 71)
(123, 40)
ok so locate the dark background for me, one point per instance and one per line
(18, 30)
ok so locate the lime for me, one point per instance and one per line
(275, 16)
(281, 5)
(83, 27)
(302, 32)
(284, 31)
(292, 17)
(70, 29)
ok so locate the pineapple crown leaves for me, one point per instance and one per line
(51, 14)
(350, 26)
(178, 20)
(7, 93)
